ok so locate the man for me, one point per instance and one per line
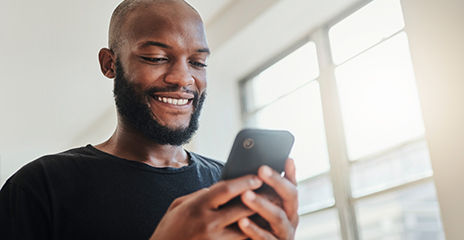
(141, 183)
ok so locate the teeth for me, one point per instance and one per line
(173, 101)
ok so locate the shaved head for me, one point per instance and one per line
(126, 7)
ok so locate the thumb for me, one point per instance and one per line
(187, 197)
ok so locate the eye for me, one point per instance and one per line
(155, 60)
(198, 64)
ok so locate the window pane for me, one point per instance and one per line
(378, 97)
(319, 226)
(412, 214)
(364, 28)
(301, 114)
(405, 164)
(315, 193)
(288, 74)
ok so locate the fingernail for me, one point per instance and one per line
(256, 182)
(266, 171)
(249, 195)
(245, 222)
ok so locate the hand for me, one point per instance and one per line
(283, 219)
(198, 216)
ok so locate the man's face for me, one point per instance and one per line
(162, 62)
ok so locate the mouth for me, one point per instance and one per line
(174, 101)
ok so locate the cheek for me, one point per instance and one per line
(139, 85)
(144, 79)
(201, 82)
(144, 75)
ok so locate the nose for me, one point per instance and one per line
(179, 74)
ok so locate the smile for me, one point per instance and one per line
(173, 101)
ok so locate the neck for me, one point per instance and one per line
(128, 143)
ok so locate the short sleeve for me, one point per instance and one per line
(22, 215)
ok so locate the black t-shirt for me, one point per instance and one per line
(85, 193)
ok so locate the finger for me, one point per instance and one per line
(232, 234)
(253, 231)
(231, 213)
(283, 187)
(184, 198)
(290, 170)
(276, 217)
(224, 191)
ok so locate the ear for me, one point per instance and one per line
(107, 61)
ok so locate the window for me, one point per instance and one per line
(286, 96)
(365, 83)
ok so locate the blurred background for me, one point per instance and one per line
(371, 89)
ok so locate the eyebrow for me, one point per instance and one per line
(153, 43)
(204, 50)
(162, 45)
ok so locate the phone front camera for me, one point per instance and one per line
(248, 143)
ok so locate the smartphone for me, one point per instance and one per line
(253, 148)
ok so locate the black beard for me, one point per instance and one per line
(134, 110)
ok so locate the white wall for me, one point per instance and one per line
(436, 36)
(51, 85)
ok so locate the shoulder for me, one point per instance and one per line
(40, 169)
(208, 162)
(210, 165)
(61, 159)
(209, 169)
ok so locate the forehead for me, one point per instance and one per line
(174, 24)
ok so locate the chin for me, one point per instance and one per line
(174, 123)
(177, 127)
(173, 126)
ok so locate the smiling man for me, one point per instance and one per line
(141, 183)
